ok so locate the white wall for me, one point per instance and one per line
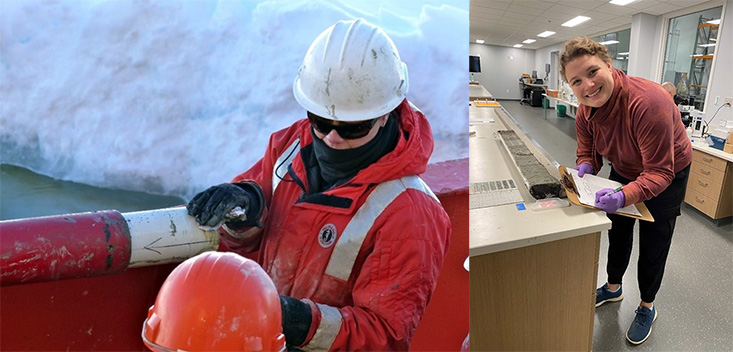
(501, 68)
(641, 46)
(542, 57)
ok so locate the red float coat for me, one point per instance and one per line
(364, 255)
(639, 129)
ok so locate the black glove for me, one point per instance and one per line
(210, 206)
(296, 320)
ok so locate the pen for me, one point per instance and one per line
(615, 190)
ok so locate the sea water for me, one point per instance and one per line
(25, 194)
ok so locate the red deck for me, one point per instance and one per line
(107, 312)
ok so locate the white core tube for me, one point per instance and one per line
(166, 236)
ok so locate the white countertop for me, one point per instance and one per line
(477, 91)
(700, 144)
(506, 227)
(562, 101)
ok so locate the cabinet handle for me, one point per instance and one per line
(707, 160)
(704, 172)
(699, 200)
(702, 183)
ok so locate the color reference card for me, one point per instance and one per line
(493, 193)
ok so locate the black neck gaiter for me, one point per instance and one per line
(340, 165)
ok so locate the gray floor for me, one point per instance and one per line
(695, 302)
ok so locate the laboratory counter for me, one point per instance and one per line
(478, 92)
(710, 185)
(533, 273)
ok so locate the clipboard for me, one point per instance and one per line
(571, 192)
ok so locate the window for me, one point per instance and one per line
(617, 44)
(691, 43)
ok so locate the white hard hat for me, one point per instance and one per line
(351, 72)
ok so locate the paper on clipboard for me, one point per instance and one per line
(588, 185)
(575, 187)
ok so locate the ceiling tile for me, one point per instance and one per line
(491, 4)
(615, 9)
(661, 9)
(583, 4)
(537, 4)
(569, 11)
(518, 16)
(518, 6)
(484, 11)
(507, 22)
(641, 5)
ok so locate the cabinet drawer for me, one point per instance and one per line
(705, 186)
(702, 203)
(709, 160)
(706, 171)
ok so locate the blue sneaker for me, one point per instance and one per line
(641, 327)
(603, 295)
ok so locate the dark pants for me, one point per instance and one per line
(655, 238)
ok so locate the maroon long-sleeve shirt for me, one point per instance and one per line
(640, 131)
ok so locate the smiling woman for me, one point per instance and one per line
(586, 66)
(635, 124)
(590, 79)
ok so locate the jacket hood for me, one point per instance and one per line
(409, 157)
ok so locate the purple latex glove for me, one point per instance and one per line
(610, 202)
(583, 169)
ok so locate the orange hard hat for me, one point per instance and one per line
(215, 302)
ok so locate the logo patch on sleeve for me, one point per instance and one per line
(327, 235)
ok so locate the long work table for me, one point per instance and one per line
(478, 92)
(533, 273)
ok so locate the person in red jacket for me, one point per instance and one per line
(635, 124)
(352, 238)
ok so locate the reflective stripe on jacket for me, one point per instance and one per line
(367, 253)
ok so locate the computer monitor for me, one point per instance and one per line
(474, 63)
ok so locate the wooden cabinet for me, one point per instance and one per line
(710, 186)
(540, 297)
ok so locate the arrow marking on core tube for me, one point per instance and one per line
(151, 248)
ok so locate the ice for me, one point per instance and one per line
(170, 97)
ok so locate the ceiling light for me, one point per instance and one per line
(518, 45)
(575, 21)
(706, 45)
(609, 42)
(620, 58)
(626, 53)
(480, 41)
(714, 21)
(529, 41)
(621, 2)
(546, 34)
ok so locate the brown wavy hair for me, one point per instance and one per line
(580, 46)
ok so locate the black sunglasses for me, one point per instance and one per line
(347, 130)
